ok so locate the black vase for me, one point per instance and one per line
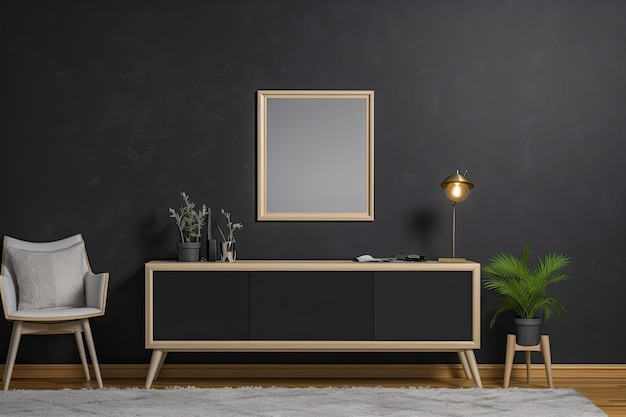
(528, 331)
(211, 250)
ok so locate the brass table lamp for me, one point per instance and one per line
(457, 188)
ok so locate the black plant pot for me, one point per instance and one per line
(189, 251)
(528, 331)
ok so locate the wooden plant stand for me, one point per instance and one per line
(512, 347)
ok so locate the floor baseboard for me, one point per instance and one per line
(270, 371)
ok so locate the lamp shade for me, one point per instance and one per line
(457, 187)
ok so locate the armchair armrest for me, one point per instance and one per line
(8, 294)
(96, 286)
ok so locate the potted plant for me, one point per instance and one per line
(190, 223)
(524, 289)
(229, 250)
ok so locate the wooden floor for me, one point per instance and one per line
(608, 394)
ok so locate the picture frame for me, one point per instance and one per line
(315, 155)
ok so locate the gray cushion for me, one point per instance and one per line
(49, 279)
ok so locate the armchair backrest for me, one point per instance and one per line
(7, 270)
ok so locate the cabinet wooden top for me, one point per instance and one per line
(310, 265)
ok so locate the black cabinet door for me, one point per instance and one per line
(201, 305)
(423, 306)
(303, 305)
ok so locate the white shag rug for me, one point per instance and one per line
(298, 402)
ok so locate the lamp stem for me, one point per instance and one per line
(453, 230)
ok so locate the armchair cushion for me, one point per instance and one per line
(49, 279)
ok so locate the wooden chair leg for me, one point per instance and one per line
(92, 351)
(547, 360)
(508, 363)
(16, 335)
(466, 369)
(81, 352)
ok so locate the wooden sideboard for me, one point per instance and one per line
(309, 306)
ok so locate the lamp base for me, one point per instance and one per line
(452, 260)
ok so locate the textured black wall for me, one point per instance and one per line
(110, 109)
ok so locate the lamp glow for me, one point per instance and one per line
(457, 191)
(457, 188)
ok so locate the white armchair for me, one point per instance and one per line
(49, 288)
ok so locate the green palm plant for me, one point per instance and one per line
(524, 288)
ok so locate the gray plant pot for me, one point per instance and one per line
(528, 331)
(189, 251)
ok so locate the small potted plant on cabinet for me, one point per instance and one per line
(524, 289)
(229, 249)
(190, 223)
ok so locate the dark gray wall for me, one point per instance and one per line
(110, 109)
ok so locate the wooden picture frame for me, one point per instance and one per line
(315, 155)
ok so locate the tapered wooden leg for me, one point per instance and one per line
(155, 361)
(81, 352)
(471, 361)
(528, 366)
(508, 362)
(92, 351)
(466, 369)
(16, 335)
(158, 371)
(547, 360)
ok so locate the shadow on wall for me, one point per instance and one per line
(424, 223)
